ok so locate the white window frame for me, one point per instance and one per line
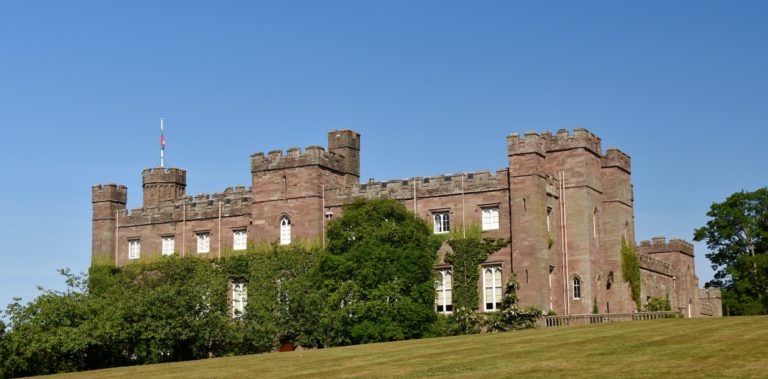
(490, 295)
(168, 245)
(441, 222)
(239, 239)
(203, 242)
(576, 282)
(285, 230)
(134, 248)
(490, 218)
(444, 291)
(239, 299)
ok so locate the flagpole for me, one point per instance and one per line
(162, 144)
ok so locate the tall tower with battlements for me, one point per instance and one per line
(107, 200)
(163, 185)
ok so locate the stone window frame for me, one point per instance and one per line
(163, 244)
(235, 232)
(199, 236)
(285, 229)
(576, 284)
(496, 293)
(443, 292)
(441, 220)
(491, 225)
(134, 247)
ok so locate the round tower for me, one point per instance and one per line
(162, 185)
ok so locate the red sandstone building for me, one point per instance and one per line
(563, 203)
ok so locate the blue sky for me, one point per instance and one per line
(433, 86)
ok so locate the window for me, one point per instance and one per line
(490, 218)
(168, 245)
(576, 288)
(240, 239)
(239, 299)
(492, 287)
(134, 249)
(444, 291)
(442, 222)
(285, 230)
(549, 222)
(203, 242)
(594, 223)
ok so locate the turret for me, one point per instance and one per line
(346, 143)
(163, 185)
(107, 200)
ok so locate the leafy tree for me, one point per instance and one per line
(377, 275)
(737, 235)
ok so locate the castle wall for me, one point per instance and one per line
(563, 204)
(679, 255)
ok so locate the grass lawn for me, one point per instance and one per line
(723, 347)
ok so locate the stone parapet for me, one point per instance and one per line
(109, 192)
(616, 158)
(655, 265)
(159, 175)
(659, 245)
(293, 157)
(428, 186)
(235, 201)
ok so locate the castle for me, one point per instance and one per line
(564, 205)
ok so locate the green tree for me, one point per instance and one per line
(737, 235)
(377, 275)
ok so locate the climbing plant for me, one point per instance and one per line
(630, 270)
(465, 256)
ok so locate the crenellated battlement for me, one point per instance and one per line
(159, 175)
(547, 142)
(531, 142)
(428, 186)
(617, 158)
(111, 192)
(234, 201)
(293, 157)
(652, 264)
(660, 245)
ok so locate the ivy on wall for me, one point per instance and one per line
(465, 256)
(630, 270)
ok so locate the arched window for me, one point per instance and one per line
(492, 287)
(444, 287)
(576, 288)
(285, 230)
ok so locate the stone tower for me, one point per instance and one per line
(163, 185)
(107, 200)
(291, 186)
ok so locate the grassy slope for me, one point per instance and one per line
(727, 347)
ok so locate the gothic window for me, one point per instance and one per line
(239, 299)
(444, 291)
(285, 230)
(576, 288)
(203, 243)
(168, 245)
(492, 287)
(240, 239)
(134, 249)
(442, 222)
(490, 218)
